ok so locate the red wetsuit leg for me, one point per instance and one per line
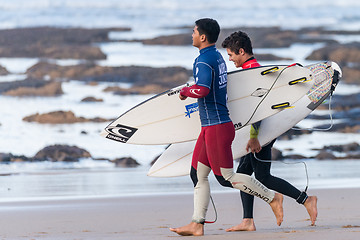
(199, 154)
(218, 140)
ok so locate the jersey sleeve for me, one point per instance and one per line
(204, 74)
(195, 91)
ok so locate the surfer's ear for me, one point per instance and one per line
(241, 51)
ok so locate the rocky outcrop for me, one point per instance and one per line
(8, 157)
(340, 53)
(325, 155)
(3, 71)
(172, 40)
(125, 162)
(61, 153)
(276, 154)
(350, 147)
(60, 43)
(351, 75)
(64, 153)
(60, 117)
(262, 37)
(292, 133)
(31, 87)
(49, 89)
(92, 99)
(270, 57)
(144, 79)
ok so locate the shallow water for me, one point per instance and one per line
(89, 179)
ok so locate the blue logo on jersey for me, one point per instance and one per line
(191, 108)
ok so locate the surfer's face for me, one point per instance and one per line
(197, 39)
(238, 59)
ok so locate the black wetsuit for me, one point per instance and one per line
(249, 165)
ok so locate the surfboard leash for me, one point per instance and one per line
(297, 162)
(320, 129)
(213, 204)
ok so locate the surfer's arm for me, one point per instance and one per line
(253, 143)
(195, 91)
(254, 130)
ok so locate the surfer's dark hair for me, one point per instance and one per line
(236, 41)
(209, 27)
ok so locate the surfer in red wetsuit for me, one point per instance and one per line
(213, 147)
(239, 48)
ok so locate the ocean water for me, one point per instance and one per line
(89, 179)
(146, 15)
(147, 19)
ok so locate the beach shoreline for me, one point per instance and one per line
(149, 217)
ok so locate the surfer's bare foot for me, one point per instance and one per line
(311, 207)
(247, 224)
(277, 207)
(192, 229)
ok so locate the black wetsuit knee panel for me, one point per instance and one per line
(223, 182)
(193, 176)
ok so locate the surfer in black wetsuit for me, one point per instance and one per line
(239, 48)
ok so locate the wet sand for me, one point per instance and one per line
(149, 217)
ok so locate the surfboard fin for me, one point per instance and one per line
(300, 80)
(270, 70)
(281, 106)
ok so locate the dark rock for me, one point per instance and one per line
(92, 99)
(291, 133)
(294, 156)
(351, 75)
(49, 89)
(325, 155)
(340, 53)
(262, 37)
(348, 103)
(172, 40)
(145, 89)
(60, 117)
(143, 79)
(125, 162)
(61, 43)
(270, 57)
(348, 126)
(3, 71)
(31, 87)
(61, 153)
(155, 159)
(354, 146)
(352, 156)
(8, 157)
(276, 154)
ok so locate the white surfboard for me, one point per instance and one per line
(253, 94)
(176, 159)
